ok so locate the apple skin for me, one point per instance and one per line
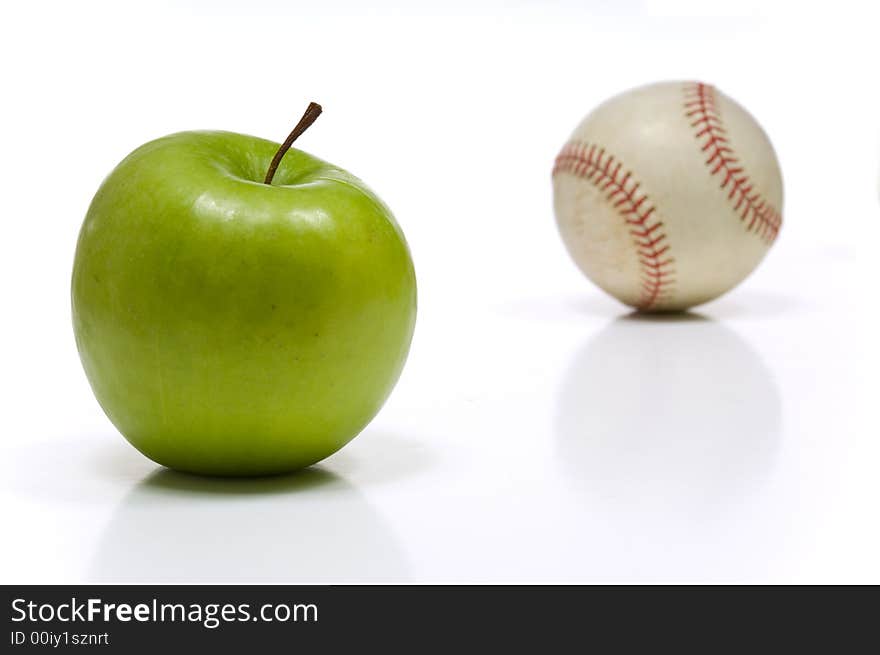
(229, 327)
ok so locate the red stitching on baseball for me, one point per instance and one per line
(701, 110)
(592, 163)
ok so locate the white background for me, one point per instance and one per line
(539, 432)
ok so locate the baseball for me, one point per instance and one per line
(668, 195)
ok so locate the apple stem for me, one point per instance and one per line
(309, 117)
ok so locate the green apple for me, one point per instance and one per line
(233, 327)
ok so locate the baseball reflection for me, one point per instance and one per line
(667, 419)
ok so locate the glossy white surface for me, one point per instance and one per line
(539, 432)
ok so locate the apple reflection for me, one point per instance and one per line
(311, 527)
